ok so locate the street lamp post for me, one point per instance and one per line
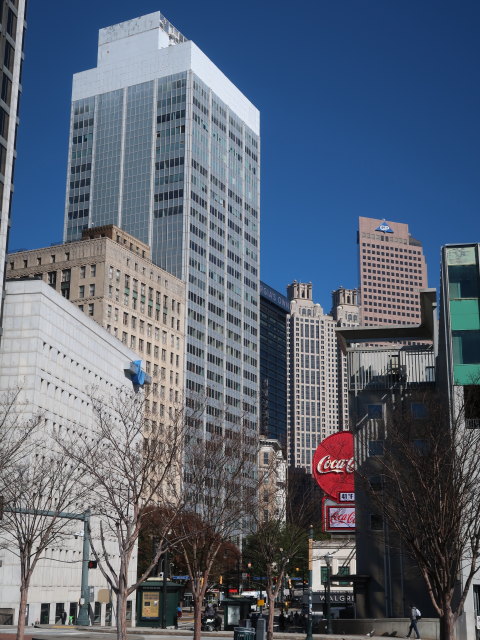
(328, 560)
(310, 584)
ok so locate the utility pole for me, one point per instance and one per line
(328, 560)
(310, 584)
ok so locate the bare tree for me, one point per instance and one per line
(220, 493)
(430, 475)
(40, 489)
(132, 465)
(279, 542)
(15, 433)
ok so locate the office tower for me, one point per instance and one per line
(163, 145)
(109, 275)
(345, 311)
(460, 315)
(459, 364)
(313, 409)
(274, 308)
(12, 31)
(392, 272)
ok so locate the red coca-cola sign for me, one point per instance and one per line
(341, 517)
(334, 464)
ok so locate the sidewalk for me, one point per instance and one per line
(138, 633)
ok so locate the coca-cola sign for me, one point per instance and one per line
(341, 517)
(334, 464)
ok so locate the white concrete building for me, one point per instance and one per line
(55, 354)
(339, 552)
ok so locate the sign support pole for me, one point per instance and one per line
(310, 584)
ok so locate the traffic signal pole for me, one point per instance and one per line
(83, 618)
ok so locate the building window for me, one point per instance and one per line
(82, 271)
(419, 410)
(463, 280)
(376, 522)
(324, 574)
(375, 447)
(81, 291)
(466, 347)
(93, 270)
(91, 290)
(45, 613)
(344, 571)
(375, 411)
(375, 483)
(91, 308)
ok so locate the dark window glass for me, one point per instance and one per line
(375, 447)
(344, 571)
(463, 281)
(8, 56)
(419, 410)
(3, 123)
(375, 411)
(45, 613)
(376, 522)
(97, 616)
(6, 89)
(466, 347)
(3, 159)
(375, 483)
(11, 23)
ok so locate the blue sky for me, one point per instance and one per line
(368, 107)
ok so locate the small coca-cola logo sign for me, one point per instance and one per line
(341, 518)
(334, 464)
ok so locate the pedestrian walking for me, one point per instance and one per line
(281, 621)
(415, 616)
(178, 616)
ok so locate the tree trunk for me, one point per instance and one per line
(271, 614)
(197, 616)
(122, 614)
(22, 609)
(447, 624)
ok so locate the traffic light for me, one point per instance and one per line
(92, 564)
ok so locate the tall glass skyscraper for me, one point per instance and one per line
(163, 145)
(274, 308)
(12, 34)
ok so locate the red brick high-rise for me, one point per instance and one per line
(392, 271)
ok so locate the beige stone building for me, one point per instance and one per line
(109, 276)
(272, 468)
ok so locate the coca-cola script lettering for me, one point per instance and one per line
(327, 464)
(343, 518)
(333, 464)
